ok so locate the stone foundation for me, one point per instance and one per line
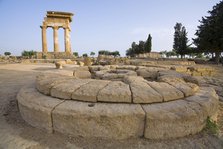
(118, 120)
(54, 55)
(171, 105)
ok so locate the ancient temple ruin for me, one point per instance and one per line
(56, 20)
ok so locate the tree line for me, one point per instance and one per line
(209, 38)
(210, 32)
(141, 47)
(209, 35)
(101, 52)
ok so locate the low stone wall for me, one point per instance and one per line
(195, 70)
(139, 62)
(54, 55)
(149, 55)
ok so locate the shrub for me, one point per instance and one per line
(85, 55)
(75, 54)
(211, 126)
(87, 61)
(7, 53)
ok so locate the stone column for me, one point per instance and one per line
(55, 37)
(67, 40)
(44, 39)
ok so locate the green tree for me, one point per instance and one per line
(92, 53)
(103, 52)
(75, 54)
(7, 53)
(115, 53)
(163, 53)
(210, 32)
(180, 44)
(142, 47)
(29, 54)
(134, 47)
(170, 54)
(176, 40)
(148, 44)
(131, 51)
(85, 55)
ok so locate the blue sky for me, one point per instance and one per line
(99, 24)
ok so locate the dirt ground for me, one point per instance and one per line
(17, 134)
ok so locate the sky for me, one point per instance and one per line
(99, 24)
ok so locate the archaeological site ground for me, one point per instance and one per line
(142, 100)
(139, 104)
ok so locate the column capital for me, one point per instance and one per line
(67, 28)
(43, 27)
(56, 27)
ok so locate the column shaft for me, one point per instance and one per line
(44, 39)
(67, 40)
(55, 37)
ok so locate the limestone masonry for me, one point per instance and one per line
(56, 20)
(118, 102)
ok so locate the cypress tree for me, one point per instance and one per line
(148, 44)
(180, 43)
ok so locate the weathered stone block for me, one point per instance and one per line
(83, 68)
(113, 121)
(99, 74)
(179, 68)
(81, 63)
(35, 108)
(44, 83)
(87, 61)
(187, 88)
(89, 91)
(65, 89)
(195, 73)
(60, 64)
(68, 61)
(115, 91)
(206, 73)
(131, 79)
(179, 118)
(195, 88)
(183, 87)
(141, 91)
(171, 120)
(208, 100)
(128, 67)
(115, 75)
(147, 74)
(98, 68)
(82, 74)
(167, 91)
(191, 79)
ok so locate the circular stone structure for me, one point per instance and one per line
(169, 106)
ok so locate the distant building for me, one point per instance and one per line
(149, 55)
